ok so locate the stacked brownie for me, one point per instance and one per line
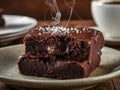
(62, 53)
(2, 22)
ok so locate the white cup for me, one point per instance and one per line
(107, 17)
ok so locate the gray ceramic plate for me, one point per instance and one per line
(10, 75)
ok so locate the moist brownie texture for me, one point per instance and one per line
(62, 53)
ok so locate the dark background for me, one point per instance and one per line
(38, 9)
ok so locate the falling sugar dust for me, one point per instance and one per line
(55, 11)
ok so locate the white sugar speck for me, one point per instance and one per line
(84, 29)
(57, 30)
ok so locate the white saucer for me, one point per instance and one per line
(106, 37)
(17, 24)
(15, 27)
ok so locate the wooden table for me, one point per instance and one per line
(113, 84)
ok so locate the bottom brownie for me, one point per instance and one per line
(60, 69)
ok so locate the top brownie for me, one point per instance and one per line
(60, 42)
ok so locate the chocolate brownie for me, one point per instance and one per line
(63, 53)
(2, 22)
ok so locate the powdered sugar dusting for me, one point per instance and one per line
(57, 30)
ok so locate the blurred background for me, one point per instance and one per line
(39, 10)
